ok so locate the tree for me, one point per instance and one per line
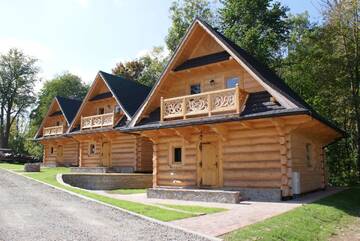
(258, 26)
(18, 74)
(65, 85)
(129, 70)
(342, 22)
(146, 69)
(182, 14)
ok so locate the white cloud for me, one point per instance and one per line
(29, 47)
(83, 3)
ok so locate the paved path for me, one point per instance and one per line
(238, 216)
(33, 211)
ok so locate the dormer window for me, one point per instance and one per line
(195, 89)
(232, 82)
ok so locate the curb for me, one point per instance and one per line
(58, 176)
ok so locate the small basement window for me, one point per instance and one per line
(195, 89)
(308, 154)
(177, 155)
(231, 82)
(92, 149)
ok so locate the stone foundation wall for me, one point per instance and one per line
(108, 181)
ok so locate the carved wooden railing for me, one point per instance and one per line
(213, 102)
(97, 121)
(53, 130)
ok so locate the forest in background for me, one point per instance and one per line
(319, 60)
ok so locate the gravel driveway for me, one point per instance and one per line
(33, 211)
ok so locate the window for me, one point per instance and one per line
(177, 155)
(117, 109)
(195, 89)
(231, 82)
(51, 150)
(101, 110)
(59, 123)
(92, 149)
(308, 154)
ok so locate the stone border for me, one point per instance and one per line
(120, 209)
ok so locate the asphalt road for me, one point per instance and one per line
(33, 211)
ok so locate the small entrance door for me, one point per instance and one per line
(60, 153)
(105, 154)
(209, 161)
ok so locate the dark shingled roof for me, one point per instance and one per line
(69, 107)
(101, 96)
(129, 93)
(203, 60)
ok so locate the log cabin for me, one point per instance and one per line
(59, 150)
(110, 103)
(219, 119)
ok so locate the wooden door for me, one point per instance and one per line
(105, 154)
(60, 153)
(209, 162)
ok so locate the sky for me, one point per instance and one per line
(85, 36)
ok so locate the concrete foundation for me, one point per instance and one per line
(102, 169)
(202, 195)
(108, 181)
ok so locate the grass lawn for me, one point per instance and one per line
(195, 209)
(127, 191)
(315, 221)
(48, 175)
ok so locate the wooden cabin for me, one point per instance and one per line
(219, 119)
(110, 103)
(59, 150)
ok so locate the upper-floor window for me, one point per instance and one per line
(117, 109)
(59, 123)
(231, 82)
(195, 89)
(101, 110)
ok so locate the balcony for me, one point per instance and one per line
(97, 121)
(226, 101)
(53, 130)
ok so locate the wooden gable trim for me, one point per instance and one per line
(279, 97)
(88, 96)
(55, 100)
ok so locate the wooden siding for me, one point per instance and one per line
(126, 150)
(251, 154)
(70, 152)
(311, 176)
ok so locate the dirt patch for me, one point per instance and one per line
(348, 233)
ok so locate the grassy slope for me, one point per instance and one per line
(48, 175)
(316, 221)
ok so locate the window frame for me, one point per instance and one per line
(195, 84)
(51, 150)
(89, 149)
(309, 154)
(227, 79)
(172, 148)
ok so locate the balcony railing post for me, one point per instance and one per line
(162, 109)
(237, 98)
(209, 104)
(184, 107)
